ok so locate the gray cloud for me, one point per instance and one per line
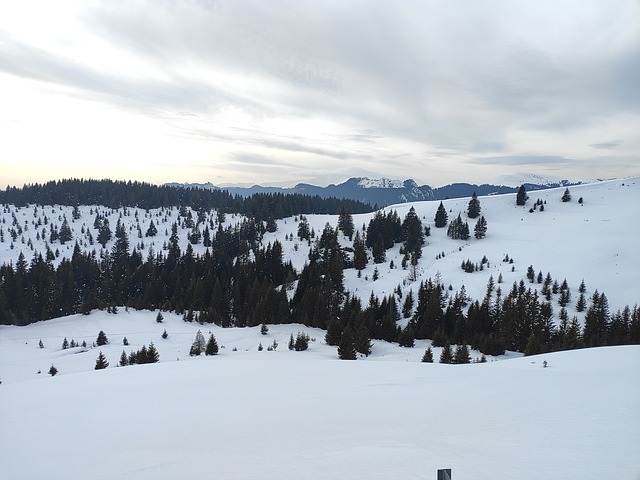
(400, 79)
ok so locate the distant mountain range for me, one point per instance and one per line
(383, 192)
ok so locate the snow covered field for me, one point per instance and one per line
(290, 415)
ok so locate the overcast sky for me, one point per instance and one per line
(274, 92)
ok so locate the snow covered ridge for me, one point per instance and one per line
(287, 415)
(518, 179)
(381, 183)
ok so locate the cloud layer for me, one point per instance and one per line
(266, 92)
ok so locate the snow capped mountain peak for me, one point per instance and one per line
(365, 182)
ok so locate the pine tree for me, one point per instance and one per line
(159, 317)
(101, 362)
(302, 342)
(480, 230)
(102, 339)
(40, 344)
(462, 354)
(521, 196)
(359, 253)
(447, 355)
(596, 321)
(212, 346)
(441, 216)
(53, 371)
(124, 360)
(291, 342)
(406, 337)
(198, 345)
(428, 356)
(334, 332)
(152, 354)
(345, 223)
(65, 235)
(473, 209)
(566, 196)
(264, 329)
(65, 343)
(346, 349)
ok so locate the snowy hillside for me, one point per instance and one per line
(593, 241)
(288, 415)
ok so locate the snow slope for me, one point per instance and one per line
(290, 415)
(595, 241)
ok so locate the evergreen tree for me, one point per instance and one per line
(264, 329)
(40, 344)
(462, 354)
(101, 362)
(212, 346)
(473, 209)
(152, 231)
(102, 339)
(446, 356)
(596, 321)
(65, 235)
(521, 196)
(407, 307)
(346, 349)
(165, 335)
(334, 332)
(152, 354)
(159, 317)
(345, 223)
(124, 360)
(359, 253)
(412, 233)
(428, 356)
(302, 342)
(480, 230)
(104, 233)
(198, 346)
(441, 217)
(291, 344)
(566, 196)
(406, 337)
(65, 343)
(53, 371)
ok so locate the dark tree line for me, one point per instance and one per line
(115, 194)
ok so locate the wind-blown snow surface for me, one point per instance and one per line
(290, 415)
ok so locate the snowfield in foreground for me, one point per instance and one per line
(292, 415)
